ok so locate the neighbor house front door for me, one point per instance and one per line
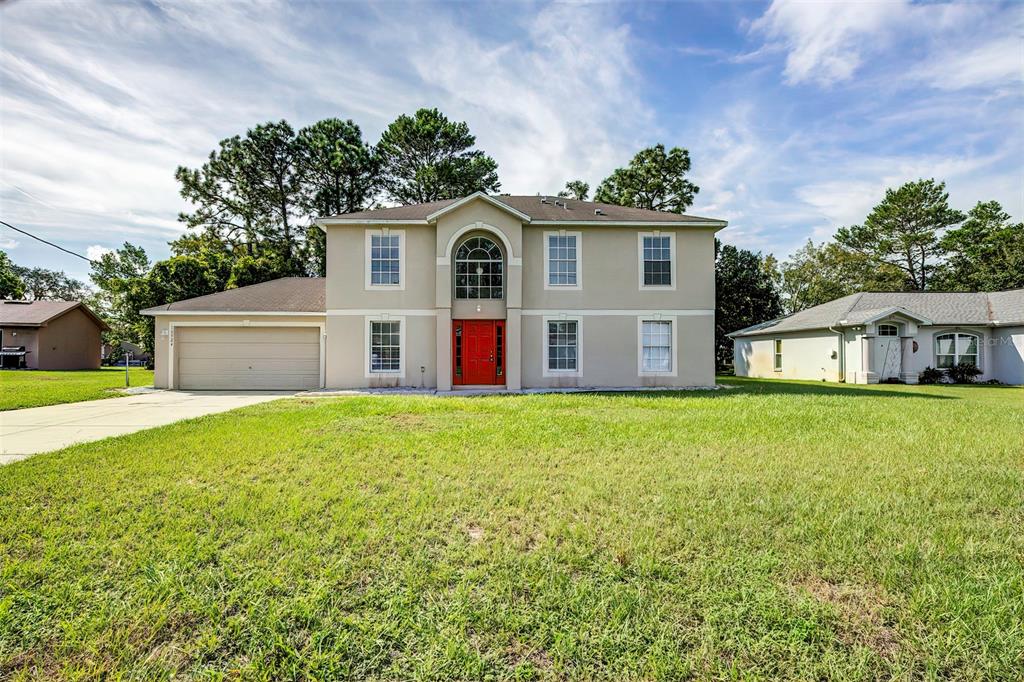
(478, 350)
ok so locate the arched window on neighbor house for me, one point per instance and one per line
(952, 349)
(479, 269)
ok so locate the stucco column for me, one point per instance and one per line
(867, 374)
(444, 349)
(514, 351)
(907, 373)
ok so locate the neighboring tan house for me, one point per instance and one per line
(50, 335)
(870, 337)
(513, 291)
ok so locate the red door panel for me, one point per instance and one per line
(478, 352)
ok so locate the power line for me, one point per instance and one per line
(40, 239)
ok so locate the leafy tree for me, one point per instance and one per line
(252, 270)
(426, 157)
(986, 253)
(654, 180)
(338, 175)
(248, 193)
(575, 189)
(11, 286)
(904, 230)
(41, 284)
(745, 294)
(818, 274)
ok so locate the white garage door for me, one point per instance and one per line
(253, 358)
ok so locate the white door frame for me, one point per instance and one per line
(172, 351)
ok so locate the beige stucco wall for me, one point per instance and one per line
(609, 354)
(805, 355)
(162, 340)
(27, 337)
(71, 341)
(347, 358)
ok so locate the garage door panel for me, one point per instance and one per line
(248, 358)
(269, 351)
(246, 365)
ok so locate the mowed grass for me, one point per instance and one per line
(31, 388)
(778, 530)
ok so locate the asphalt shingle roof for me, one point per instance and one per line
(285, 295)
(567, 210)
(38, 313)
(940, 307)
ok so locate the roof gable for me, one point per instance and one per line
(41, 313)
(477, 196)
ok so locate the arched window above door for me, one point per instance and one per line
(479, 270)
(888, 330)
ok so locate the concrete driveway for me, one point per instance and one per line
(41, 429)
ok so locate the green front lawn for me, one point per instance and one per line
(29, 388)
(776, 530)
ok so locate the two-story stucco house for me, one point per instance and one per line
(512, 291)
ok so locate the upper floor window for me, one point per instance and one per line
(952, 349)
(562, 260)
(657, 261)
(479, 269)
(887, 330)
(385, 257)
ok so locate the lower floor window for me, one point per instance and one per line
(953, 349)
(385, 350)
(563, 345)
(656, 339)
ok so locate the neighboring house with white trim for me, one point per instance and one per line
(513, 291)
(874, 336)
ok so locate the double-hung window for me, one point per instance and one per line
(562, 347)
(562, 260)
(657, 347)
(385, 347)
(953, 349)
(385, 259)
(657, 260)
(777, 347)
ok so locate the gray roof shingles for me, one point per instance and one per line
(939, 307)
(568, 210)
(39, 313)
(285, 295)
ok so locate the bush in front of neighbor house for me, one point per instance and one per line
(963, 373)
(930, 375)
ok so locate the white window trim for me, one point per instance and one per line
(640, 345)
(878, 329)
(956, 347)
(640, 260)
(384, 317)
(777, 355)
(368, 253)
(579, 261)
(549, 373)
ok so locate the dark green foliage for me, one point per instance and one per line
(654, 180)
(963, 373)
(985, 253)
(11, 286)
(904, 230)
(930, 375)
(575, 189)
(42, 284)
(744, 295)
(426, 157)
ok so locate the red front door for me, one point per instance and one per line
(478, 352)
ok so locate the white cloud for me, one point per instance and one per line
(8, 243)
(95, 252)
(952, 45)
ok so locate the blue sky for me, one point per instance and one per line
(797, 116)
